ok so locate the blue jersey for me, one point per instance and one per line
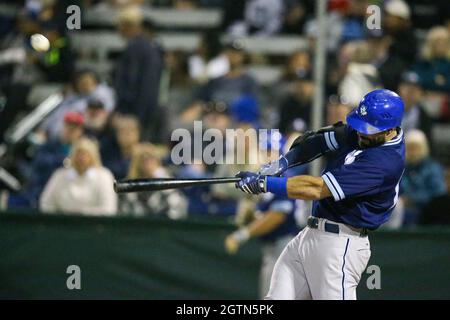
(271, 202)
(364, 184)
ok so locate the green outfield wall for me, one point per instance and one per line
(149, 258)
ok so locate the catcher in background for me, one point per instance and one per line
(356, 192)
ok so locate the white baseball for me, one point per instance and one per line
(39, 42)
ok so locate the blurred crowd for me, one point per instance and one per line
(120, 126)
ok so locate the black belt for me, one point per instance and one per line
(313, 223)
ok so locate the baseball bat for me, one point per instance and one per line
(140, 185)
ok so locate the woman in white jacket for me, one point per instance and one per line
(83, 187)
(361, 75)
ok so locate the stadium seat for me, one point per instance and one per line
(161, 17)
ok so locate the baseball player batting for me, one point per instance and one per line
(356, 192)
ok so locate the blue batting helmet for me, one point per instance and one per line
(378, 111)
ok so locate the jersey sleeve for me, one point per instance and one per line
(363, 177)
(315, 144)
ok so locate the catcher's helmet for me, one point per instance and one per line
(378, 111)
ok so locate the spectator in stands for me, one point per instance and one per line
(179, 93)
(360, 76)
(298, 64)
(98, 120)
(402, 43)
(423, 178)
(226, 89)
(337, 109)
(354, 61)
(138, 74)
(295, 14)
(177, 65)
(236, 82)
(353, 24)
(334, 25)
(50, 156)
(217, 116)
(298, 103)
(117, 153)
(434, 68)
(84, 187)
(146, 163)
(261, 17)
(87, 84)
(410, 89)
(436, 212)
(86, 88)
(209, 61)
(100, 125)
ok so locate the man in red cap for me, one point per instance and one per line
(74, 118)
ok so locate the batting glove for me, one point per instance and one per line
(251, 183)
(274, 168)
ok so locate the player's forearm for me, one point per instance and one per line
(305, 187)
(265, 224)
(299, 187)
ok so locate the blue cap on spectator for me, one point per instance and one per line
(245, 109)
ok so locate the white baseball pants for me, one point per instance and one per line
(270, 254)
(320, 265)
